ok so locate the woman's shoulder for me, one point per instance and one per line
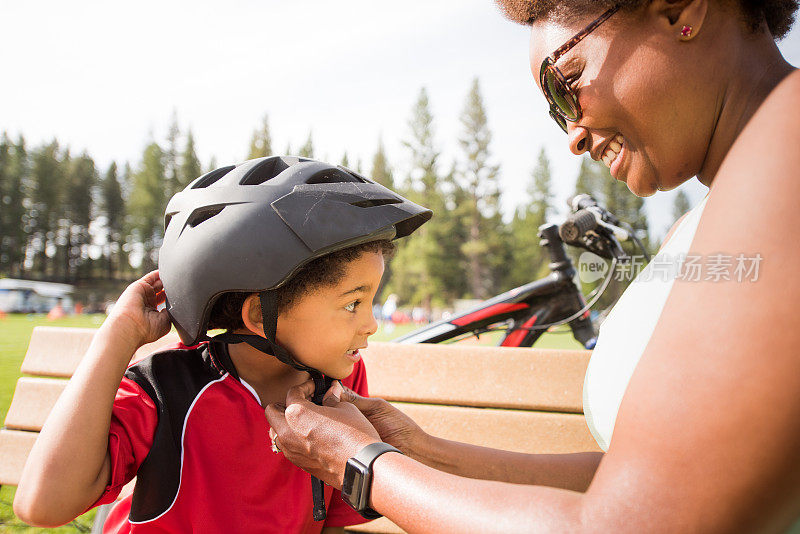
(778, 113)
(765, 155)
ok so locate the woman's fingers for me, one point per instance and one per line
(333, 395)
(299, 393)
(276, 417)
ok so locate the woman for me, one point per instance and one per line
(705, 437)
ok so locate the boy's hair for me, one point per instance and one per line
(324, 271)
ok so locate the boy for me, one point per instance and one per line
(284, 253)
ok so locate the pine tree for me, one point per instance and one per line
(6, 223)
(485, 250)
(589, 180)
(307, 150)
(529, 261)
(77, 214)
(190, 163)
(19, 207)
(345, 162)
(539, 190)
(381, 172)
(261, 141)
(680, 205)
(171, 163)
(47, 185)
(415, 279)
(113, 207)
(147, 204)
(423, 176)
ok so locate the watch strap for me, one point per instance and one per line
(366, 457)
(370, 453)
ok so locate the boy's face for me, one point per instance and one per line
(325, 328)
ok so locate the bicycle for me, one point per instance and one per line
(527, 311)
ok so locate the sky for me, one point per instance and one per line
(106, 78)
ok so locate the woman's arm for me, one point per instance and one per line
(69, 466)
(568, 471)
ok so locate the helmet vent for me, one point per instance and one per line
(211, 177)
(264, 171)
(201, 215)
(376, 202)
(333, 176)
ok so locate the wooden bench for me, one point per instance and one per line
(526, 400)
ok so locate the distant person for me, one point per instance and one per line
(388, 311)
(56, 312)
(288, 265)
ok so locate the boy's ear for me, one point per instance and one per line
(251, 314)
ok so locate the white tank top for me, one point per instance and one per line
(627, 330)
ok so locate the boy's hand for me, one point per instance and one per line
(319, 439)
(134, 317)
(395, 427)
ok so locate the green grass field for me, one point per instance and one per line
(15, 332)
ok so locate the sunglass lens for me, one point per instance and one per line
(559, 120)
(560, 95)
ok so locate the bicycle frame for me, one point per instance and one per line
(525, 308)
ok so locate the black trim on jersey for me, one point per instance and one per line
(172, 379)
(220, 354)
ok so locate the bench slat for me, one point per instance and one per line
(378, 526)
(15, 446)
(44, 359)
(33, 400)
(512, 430)
(537, 431)
(500, 377)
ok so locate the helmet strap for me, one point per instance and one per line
(269, 345)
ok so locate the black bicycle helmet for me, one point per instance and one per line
(249, 227)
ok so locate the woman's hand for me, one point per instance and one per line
(134, 317)
(319, 439)
(393, 426)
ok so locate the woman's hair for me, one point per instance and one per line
(324, 271)
(778, 14)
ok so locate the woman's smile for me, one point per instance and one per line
(614, 155)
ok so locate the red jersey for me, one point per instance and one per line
(197, 440)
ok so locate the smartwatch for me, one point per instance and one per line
(358, 478)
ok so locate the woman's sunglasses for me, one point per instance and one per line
(563, 101)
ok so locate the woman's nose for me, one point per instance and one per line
(579, 139)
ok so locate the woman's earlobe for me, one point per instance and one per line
(683, 17)
(691, 19)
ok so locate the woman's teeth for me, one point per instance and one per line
(612, 150)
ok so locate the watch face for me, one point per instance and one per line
(353, 486)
